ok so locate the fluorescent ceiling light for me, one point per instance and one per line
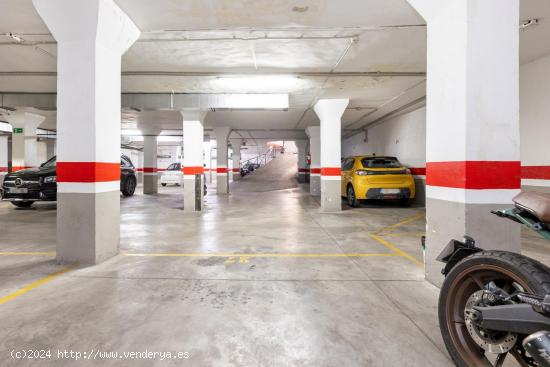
(257, 83)
(165, 138)
(255, 101)
(131, 132)
(4, 126)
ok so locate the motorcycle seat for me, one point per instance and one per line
(536, 203)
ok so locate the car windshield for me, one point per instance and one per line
(173, 167)
(380, 162)
(50, 163)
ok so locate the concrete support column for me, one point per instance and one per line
(330, 113)
(91, 37)
(222, 181)
(236, 157)
(23, 140)
(301, 145)
(3, 157)
(139, 167)
(50, 148)
(150, 171)
(473, 157)
(314, 134)
(193, 161)
(208, 157)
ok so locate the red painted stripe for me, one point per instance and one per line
(3, 169)
(193, 170)
(303, 170)
(419, 171)
(236, 170)
(315, 170)
(139, 169)
(19, 168)
(87, 171)
(527, 172)
(535, 172)
(475, 175)
(330, 171)
(221, 170)
(150, 169)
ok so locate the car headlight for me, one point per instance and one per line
(50, 179)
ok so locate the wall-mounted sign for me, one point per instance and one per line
(18, 130)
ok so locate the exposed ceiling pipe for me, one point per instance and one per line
(384, 104)
(385, 117)
(373, 74)
(331, 72)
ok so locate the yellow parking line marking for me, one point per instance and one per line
(403, 222)
(34, 285)
(403, 234)
(27, 253)
(396, 250)
(232, 257)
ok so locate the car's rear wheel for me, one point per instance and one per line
(163, 184)
(22, 204)
(129, 187)
(352, 199)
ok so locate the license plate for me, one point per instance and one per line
(15, 190)
(390, 191)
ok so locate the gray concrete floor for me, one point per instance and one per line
(305, 288)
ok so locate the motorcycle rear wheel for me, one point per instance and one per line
(471, 275)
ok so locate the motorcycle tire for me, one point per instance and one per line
(469, 276)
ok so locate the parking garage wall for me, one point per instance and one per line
(405, 136)
(402, 136)
(534, 90)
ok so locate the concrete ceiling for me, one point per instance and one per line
(192, 46)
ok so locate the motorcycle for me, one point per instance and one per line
(497, 303)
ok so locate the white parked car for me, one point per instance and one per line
(173, 175)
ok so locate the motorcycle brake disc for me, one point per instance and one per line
(491, 341)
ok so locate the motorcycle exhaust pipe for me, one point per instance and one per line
(538, 347)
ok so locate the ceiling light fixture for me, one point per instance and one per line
(300, 9)
(257, 83)
(131, 132)
(528, 23)
(14, 37)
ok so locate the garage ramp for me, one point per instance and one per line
(278, 174)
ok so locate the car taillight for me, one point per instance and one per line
(362, 172)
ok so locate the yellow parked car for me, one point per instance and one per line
(373, 177)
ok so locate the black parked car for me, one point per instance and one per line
(25, 187)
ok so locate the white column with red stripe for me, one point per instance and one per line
(330, 113)
(301, 146)
(193, 160)
(150, 163)
(472, 143)
(222, 179)
(236, 144)
(314, 134)
(139, 167)
(91, 37)
(24, 144)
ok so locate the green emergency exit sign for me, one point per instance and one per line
(18, 130)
